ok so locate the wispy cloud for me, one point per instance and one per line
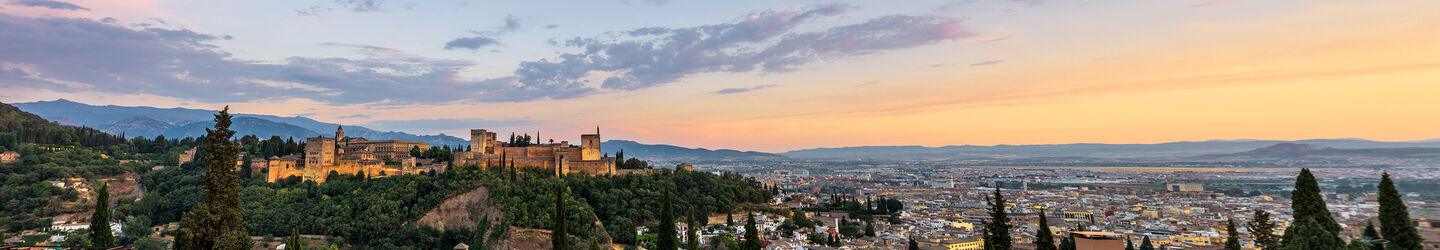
(743, 90)
(433, 125)
(50, 4)
(990, 62)
(470, 43)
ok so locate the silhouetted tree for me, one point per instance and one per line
(1263, 230)
(218, 221)
(997, 230)
(1043, 236)
(1232, 242)
(1307, 203)
(100, 235)
(1395, 223)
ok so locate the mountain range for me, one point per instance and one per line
(183, 122)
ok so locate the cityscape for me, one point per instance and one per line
(729, 125)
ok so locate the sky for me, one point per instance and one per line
(756, 75)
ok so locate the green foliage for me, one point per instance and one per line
(148, 243)
(625, 201)
(218, 222)
(1395, 223)
(1044, 239)
(692, 230)
(1307, 203)
(914, 245)
(1310, 234)
(1067, 243)
(1263, 230)
(666, 229)
(1129, 245)
(17, 126)
(1145, 244)
(1232, 242)
(100, 235)
(558, 237)
(752, 234)
(997, 229)
(1369, 240)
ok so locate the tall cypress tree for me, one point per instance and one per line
(1395, 222)
(559, 239)
(1044, 239)
(1263, 230)
(100, 235)
(752, 234)
(1307, 203)
(218, 221)
(1129, 245)
(692, 230)
(914, 245)
(1233, 241)
(997, 230)
(1145, 244)
(869, 228)
(667, 231)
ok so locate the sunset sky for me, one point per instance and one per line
(756, 75)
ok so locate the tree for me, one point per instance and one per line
(997, 230)
(218, 221)
(692, 230)
(869, 228)
(752, 234)
(667, 230)
(1263, 230)
(1043, 236)
(1310, 234)
(100, 235)
(1129, 245)
(1395, 223)
(1233, 241)
(1307, 203)
(558, 237)
(294, 241)
(730, 220)
(1369, 240)
(914, 245)
(1067, 243)
(1145, 244)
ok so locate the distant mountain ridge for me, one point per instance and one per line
(659, 151)
(1095, 150)
(182, 122)
(1311, 151)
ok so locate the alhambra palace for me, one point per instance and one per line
(349, 155)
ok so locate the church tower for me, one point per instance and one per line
(340, 132)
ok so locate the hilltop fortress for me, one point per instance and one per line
(345, 155)
(350, 155)
(562, 158)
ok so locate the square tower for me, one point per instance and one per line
(478, 139)
(590, 147)
(319, 152)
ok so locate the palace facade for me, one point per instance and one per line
(561, 157)
(345, 155)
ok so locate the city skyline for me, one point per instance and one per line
(766, 76)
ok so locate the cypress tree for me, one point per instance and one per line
(997, 230)
(752, 234)
(1043, 236)
(1233, 241)
(914, 245)
(1310, 234)
(870, 228)
(100, 235)
(294, 241)
(218, 221)
(730, 220)
(692, 230)
(558, 237)
(1129, 245)
(1370, 238)
(1263, 230)
(1145, 244)
(1395, 223)
(1307, 203)
(667, 231)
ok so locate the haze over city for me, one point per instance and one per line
(756, 75)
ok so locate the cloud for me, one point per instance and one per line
(1210, 3)
(743, 90)
(512, 24)
(433, 125)
(109, 20)
(50, 4)
(652, 56)
(552, 26)
(352, 5)
(471, 43)
(70, 55)
(355, 116)
(990, 62)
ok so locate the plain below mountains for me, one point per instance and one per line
(658, 151)
(181, 122)
(1201, 149)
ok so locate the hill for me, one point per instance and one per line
(1096, 150)
(1311, 151)
(19, 126)
(176, 122)
(668, 152)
